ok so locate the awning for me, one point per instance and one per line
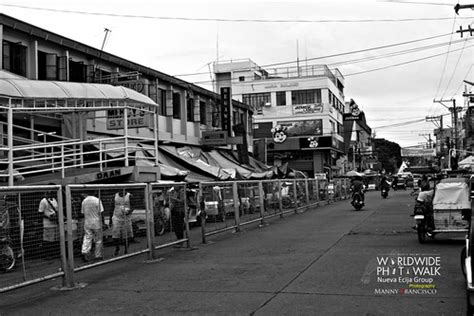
(191, 158)
(21, 88)
(242, 172)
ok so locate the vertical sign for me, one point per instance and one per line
(225, 109)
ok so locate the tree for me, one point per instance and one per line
(388, 154)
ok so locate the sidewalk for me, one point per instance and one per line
(274, 270)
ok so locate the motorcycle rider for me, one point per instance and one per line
(384, 184)
(357, 186)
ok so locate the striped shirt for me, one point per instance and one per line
(92, 208)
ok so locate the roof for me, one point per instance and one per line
(61, 90)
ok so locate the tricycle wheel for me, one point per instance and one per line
(421, 230)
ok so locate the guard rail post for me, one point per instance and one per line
(306, 188)
(280, 206)
(203, 214)
(295, 194)
(66, 259)
(236, 206)
(262, 203)
(150, 232)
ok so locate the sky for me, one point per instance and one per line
(397, 57)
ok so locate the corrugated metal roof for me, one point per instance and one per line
(62, 90)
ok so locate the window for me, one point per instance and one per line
(176, 105)
(14, 58)
(77, 71)
(241, 78)
(202, 112)
(333, 127)
(256, 100)
(306, 96)
(281, 98)
(190, 110)
(162, 103)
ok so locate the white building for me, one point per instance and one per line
(298, 112)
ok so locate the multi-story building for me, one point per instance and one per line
(184, 111)
(298, 112)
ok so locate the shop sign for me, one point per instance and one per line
(308, 108)
(108, 174)
(135, 118)
(215, 138)
(302, 128)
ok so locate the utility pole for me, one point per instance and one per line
(454, 117)
(428, 139)
(458, 7)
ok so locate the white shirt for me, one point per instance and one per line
(48, 209)
(92, 208)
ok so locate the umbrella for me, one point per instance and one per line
(354, 173)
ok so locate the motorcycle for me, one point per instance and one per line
(384, 193)
(357, 201)
(422, 220)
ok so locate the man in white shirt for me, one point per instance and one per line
(92, 209)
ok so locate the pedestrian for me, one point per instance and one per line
(177, 212)
(121, 221)
(48, 207)
(92, 209)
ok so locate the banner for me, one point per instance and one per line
(418, 152)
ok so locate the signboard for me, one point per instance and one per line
(350, 117)
(135, 118)
(108, 174)
(308, 108)
(225, 112)
(215, 138)
(303, 128)
(418, 152)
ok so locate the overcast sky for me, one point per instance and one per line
(183, 37)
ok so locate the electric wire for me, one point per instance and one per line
(373, 69)
(345, 53)
(454, 70)
(224, 19)
(446, 59)
(462, 82)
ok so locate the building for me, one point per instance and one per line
(358, 139)
(298, 112)
(183, 112)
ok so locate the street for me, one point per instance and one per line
(327, 260)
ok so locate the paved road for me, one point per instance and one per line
(321, 262)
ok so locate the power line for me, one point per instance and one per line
(446, 59)
(373, 69)
(454, 71)
(369, 58)
(400, 64)
(226, 20)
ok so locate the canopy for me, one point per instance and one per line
(19, 88)
(452, 195)
(466, 162)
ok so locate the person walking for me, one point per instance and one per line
(177, 212)
(48, 207)
(92, 209)
(122, 230)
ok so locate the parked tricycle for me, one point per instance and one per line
(446, 209)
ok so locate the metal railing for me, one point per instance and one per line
(160, 215)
